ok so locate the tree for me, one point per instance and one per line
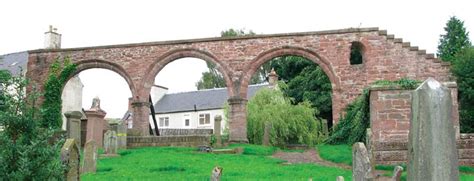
(455, 39)
(463, 69)
(28, 151)
(271, 106)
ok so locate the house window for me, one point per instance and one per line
(164, 122)
(186, 120)
(204, 119)
(357, 51)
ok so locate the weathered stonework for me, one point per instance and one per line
(238, 58)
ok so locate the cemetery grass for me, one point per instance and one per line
(170, 163)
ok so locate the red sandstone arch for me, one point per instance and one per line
(296, 51)
(288, 50)
(95, 63)
(170, 56)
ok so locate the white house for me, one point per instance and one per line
(195, 109)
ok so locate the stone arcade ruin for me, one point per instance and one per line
(384, 58)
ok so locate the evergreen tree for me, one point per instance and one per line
(455, 39)
(463, 69)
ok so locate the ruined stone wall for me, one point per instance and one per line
(390, 114)
(385, 58)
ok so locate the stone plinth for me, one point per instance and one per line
(95, 126)
(238, 120)
(73, 125)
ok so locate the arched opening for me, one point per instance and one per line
(109, 86)
(189, 92)
(306, 83)
(357, 53)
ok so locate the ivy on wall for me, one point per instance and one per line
(59, 73)
(352, 126)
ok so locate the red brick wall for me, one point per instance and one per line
(390, 114)
(385, 57)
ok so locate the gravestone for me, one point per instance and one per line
(432, 153)
(122, 136)
(90, 157)
(370, 148)
(266, 134)
(339, 178)
(217, 131)
(110, 142)
(216, 174)
(397, 173)
(73, 125)
(324, 125)
(361, 166)
(70, 157)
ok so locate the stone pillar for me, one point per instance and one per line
(217, 130)
(70, 157)
(432, 153)
(361, 166)
(141, 112)
(238, 120)
(73, 125)
(95, 122)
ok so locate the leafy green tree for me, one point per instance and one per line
(306, 82)
(455, 39)
(463, 69)
(272, 107)
(28, 151)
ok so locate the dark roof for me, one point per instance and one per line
(15, 62)
(203, 99)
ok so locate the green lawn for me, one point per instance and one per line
(169, 163)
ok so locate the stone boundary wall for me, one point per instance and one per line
(184, 132)
(150, 141)
(390, 114)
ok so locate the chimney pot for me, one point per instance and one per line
(52, 39)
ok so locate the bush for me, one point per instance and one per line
(289, 123)
(463, 69)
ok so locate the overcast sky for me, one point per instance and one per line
(92, 23)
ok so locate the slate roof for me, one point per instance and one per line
(202, 99)
(15, 62)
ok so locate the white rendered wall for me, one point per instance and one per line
(72, 97)
(176, 120)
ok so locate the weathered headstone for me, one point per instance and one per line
(397, 173)
(324, 125)
(370, 148)
(432, 153)
(95, 122)
(217, 131)
(70, 157)
(266, 134)
(339, 178)
(110, 142)
(73, 125)
(90, 157)
(216, 174)
(361, 166)
(122, 136)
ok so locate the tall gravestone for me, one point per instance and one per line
(95, 122)
(432, 153)
(217, 130)
(90, 157)
(266, 134)
(122, 136)
(70, 157)
(73, 125)
(110, 142)
(361, 166)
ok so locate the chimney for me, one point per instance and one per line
(52, 39)
(272, 78)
